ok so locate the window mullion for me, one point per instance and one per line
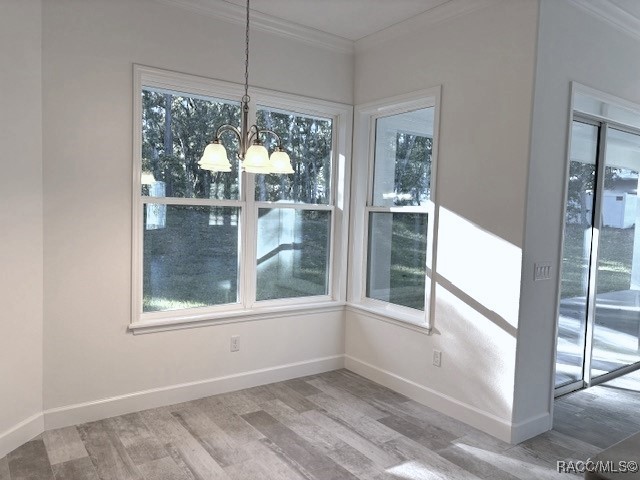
(371, 161)
(250, 240)
(206, 202)
(295, 206)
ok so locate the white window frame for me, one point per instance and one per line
(362, 192)
(247, 308)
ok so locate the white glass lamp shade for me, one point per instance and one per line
(215, 158)
(280, 162)
(256, 160)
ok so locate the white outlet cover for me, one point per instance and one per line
(437, 358)
(235, 343)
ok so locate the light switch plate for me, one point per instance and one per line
(542, 271)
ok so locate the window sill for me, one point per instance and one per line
(393, 317)
(238, 316)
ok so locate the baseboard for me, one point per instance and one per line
(21, 433)
(132, 402)
(531, 427)
(487, 422)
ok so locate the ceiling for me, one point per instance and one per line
(349, 19)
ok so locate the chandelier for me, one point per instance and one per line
(252, 152)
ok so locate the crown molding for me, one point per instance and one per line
(266, 23)
(615, 16)
(433, 16)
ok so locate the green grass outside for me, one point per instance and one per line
(614, 269)
(196, 262)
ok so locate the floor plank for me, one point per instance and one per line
(77, 469)
(430, 436)
(213, 439)
(279, 466)
(63, 445)
(4, 469)
(191, 452)
(297, 449)
(238, 402)
(302, 387)
(355, 419)
(342, 397)
(141, 444)
(164, 469)
(522, 467)
(232, 423)
(30, 462)
(334, 448)
(423, 462)
(367, 447)
(107, 452)
(290, 397)
(474, 465)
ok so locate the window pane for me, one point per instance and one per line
(293, 253)
(190, 256)
(308, 141)
(396, 265)
(402, 171)
(175, 130)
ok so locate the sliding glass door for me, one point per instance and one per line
(616, 331)
(599, 316)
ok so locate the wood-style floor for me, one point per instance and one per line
(602, 415)
(336, 425)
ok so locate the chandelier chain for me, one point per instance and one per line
(246, 59)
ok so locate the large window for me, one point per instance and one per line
(209, 245)
(397, 142)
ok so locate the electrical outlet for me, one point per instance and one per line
(437, 358)
(235, 343)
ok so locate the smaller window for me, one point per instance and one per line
(398, 209)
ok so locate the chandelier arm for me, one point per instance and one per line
(227, 128)
(271, 132)
(252, 134)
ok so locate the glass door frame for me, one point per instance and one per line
(603, 125)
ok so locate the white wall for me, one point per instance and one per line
(89, 48)
(572, 46)
(21, 221)
(485, 62)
